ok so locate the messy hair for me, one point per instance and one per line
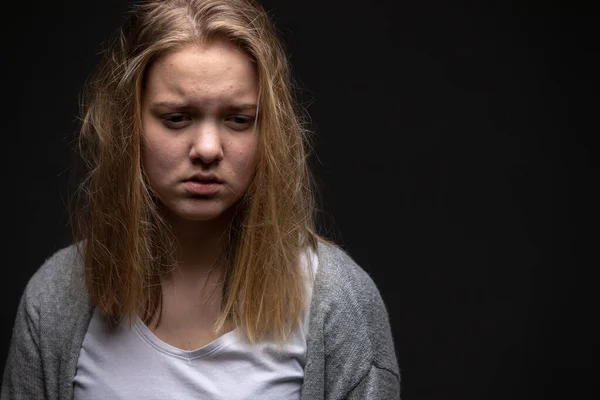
(125, 242)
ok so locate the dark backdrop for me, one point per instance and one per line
(453, 155)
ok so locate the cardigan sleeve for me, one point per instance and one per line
(23, 376)
(360, 361)
(51, 321)
(379, 383)
(351, 335)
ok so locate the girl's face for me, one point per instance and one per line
(199, 147)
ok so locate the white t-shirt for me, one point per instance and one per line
(122, 362)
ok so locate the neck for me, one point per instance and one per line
(200, 243)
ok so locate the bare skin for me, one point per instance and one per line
(198, 113)
(190, 309)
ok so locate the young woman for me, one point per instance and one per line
(196, 271)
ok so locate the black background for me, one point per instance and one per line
(453, 154)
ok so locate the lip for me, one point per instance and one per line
(202, 184)
(202, 188)
(204, 177)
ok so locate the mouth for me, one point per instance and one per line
(208, 179)
(202, 186)
(203, 180)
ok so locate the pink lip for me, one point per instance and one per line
(204, 177)
(203, 188)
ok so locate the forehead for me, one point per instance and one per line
(204, 72)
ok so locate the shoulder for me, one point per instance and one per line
(51, 321)
(352, 307)
(340, 277)
(57, 286)
(350, 334)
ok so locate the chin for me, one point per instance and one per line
(200, 215)
(204, 214)
(198, 212)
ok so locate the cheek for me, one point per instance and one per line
(158, 154)
(246, 159)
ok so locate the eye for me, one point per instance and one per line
(239, 122)
(175, 121)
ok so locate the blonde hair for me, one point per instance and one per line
(125, 243)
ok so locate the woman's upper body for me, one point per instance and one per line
(350, 351)
(194, 208)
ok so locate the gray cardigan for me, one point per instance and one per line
(350, 351)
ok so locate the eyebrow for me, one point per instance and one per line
(242, 107)
(232, 107)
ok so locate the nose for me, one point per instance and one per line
(206, 144)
